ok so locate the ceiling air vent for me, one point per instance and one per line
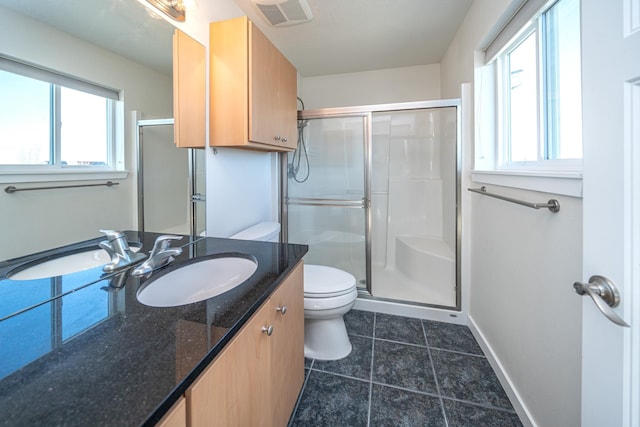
(284, 12)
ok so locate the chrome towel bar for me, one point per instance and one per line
(11, 189)
(553, 205)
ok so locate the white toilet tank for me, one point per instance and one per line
(262, 231)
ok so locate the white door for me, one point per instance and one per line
(611, 238)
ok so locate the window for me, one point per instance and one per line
(538, 99)
(52, 122)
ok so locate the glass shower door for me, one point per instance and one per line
(171, 181)
(326, 201)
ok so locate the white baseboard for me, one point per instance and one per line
(505, 381)
(408, 310)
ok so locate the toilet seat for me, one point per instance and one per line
(331, 303)
(321, 281)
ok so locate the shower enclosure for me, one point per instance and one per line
(171, 181)
(374, 191)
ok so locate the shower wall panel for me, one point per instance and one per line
(413, 195)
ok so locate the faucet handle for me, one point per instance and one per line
(162, 243)
(112, 234)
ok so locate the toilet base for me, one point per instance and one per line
(326, 339)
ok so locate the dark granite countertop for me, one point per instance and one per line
(76, 351)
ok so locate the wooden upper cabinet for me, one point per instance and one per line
(253, 90)
(189, 91)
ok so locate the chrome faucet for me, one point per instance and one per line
(118, 249)
(161, 255)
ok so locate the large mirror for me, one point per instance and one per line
(116, 43)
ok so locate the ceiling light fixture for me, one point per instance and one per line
(174, 9)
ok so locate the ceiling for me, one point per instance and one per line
(359, 35)
(121, 26)
(344, 35)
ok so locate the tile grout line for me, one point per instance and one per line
(481, 405)
(446, 350)
(435, 378)
(373, 349)
(336, 374)
(409, 390)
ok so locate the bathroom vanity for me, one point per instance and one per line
(79, 350)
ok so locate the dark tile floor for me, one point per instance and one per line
(404, 372)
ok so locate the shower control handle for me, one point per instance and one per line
(282, 310)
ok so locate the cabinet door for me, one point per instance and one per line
(263, 82)
(176, 417)
(234, 389)
(287, 109)
(189, 96)
(229, 82)
(287, 345)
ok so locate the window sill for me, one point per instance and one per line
(561, 183)
(12, 177)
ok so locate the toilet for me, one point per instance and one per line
(329, 293)
(262, 231)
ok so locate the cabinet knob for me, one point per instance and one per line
(282, 310)
(284, 139)
(268, 329)
(277, 138)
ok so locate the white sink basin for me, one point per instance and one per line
(197, 281)
(65, 265)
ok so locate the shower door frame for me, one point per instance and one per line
(195, 196)
(367, 111)
(366, 200)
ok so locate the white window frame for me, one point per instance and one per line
(557, 176)
(58, 172)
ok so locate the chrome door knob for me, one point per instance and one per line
(604, 294)
(282, 310)
(267, 329)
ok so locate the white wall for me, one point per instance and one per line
(418, 83)
(522, 265)
(37, 220)
(240, 190)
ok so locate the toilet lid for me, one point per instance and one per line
(321, 281)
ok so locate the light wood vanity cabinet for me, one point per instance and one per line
(189, 91)
(177, 415)
(256, 379)
(287, 346)
(253, 89)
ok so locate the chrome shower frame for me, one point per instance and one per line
(139, 142)
(367, 112)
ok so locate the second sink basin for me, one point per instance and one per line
(197, 281)
(65, 264)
